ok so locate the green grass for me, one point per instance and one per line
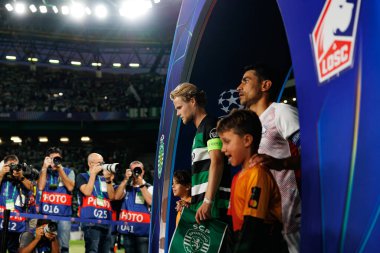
(77, 246)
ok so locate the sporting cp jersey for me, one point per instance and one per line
(206, 140)
(279, 123)
(254, 192)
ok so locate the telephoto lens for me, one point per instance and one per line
(51, 228)
(112, 167)
(137, 171)
(57, 160)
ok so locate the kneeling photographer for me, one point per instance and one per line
(15, 190)
(135, 210)
(45, 239)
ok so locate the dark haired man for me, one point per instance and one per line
(280, 144)
(14, 191)
(44, 240)
(55, 186)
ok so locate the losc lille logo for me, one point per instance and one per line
(333, 37)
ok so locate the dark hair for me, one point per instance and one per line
(183, 177)
(10, 158)
(41, 222)
(242, 122)
(53, 150)
(265, 72)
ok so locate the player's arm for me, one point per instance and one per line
(290, 163)
(214, 178)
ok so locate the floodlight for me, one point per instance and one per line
(43, 139)
(76, 63)
(88, 11)
(134, 65)
(10, 57)
(60, 94)
(77, 10)
(65, 10)
(43, 9)
(55, 9)
(33, 59)
(52, 61)
(285, 101)
(64, 139)
(85, 139)
(294, 99)
(116, 65)
(96, 64)
(16, 139)
(101, 11)
(9, 7)
(134, 8)
(32, 8)
(20, 8)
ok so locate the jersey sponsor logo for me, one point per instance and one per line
(56, 198)
(197, 239)
(130, 216)
(92, 202)
(14, 217)
(255, 197)
(333, 37)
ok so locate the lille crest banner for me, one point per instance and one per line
(191, 237)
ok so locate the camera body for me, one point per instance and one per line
(27, 171)
(51, 227)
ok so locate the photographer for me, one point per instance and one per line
(14, 191)
(135, 210)
(56, 184)
(95, 193)
(43, 241)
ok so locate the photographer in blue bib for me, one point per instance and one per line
(95, 192)
(135, 210)
(15, 189)
(55, 186)
(43, 241)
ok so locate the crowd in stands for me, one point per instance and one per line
(62, 90)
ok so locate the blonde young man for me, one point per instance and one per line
(210, 185)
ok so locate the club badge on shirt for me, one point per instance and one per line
(255, 197)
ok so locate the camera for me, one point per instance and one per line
(137, 171)
(51, 228)
(27, 170)
(57, 160)
(112, 167)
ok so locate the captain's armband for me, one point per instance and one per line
(214, 144)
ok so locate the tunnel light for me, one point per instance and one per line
(32, 8)
(9, 7)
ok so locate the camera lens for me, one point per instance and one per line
(113, 167)
(137, 171)
(57, 160)
(51, 227)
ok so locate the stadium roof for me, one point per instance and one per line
(145, 40)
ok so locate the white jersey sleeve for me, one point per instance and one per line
(286, 120)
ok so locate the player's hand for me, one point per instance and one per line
(39, 232)
(203, 212)
(266, 161)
